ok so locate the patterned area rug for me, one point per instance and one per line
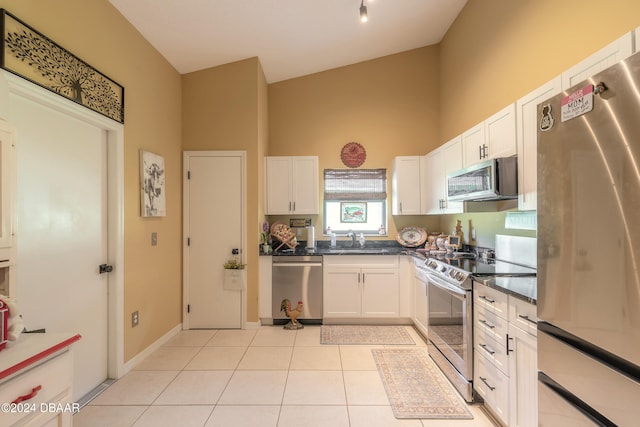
(365, 335)
(415, 386)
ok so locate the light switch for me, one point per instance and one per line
(154, 239)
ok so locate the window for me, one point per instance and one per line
(355, 200)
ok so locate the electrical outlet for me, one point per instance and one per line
(135, 319)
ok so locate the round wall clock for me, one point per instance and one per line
(353, 154)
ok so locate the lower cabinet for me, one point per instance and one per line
(505, 350)
(361, 286)
(44, 393)
(421, 303)
(523, 364)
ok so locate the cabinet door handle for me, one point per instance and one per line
(400, 207)
(363, 278)
(487, 349)
(487, 324)
(358, 277)
(294, 206)
(490, 301)
(527, 319)
(289, 206)
(34, 392)
(480, 152)
(484, 380)
(508, 339)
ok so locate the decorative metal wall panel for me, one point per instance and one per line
(33, 56)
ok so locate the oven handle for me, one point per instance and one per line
(450, 289)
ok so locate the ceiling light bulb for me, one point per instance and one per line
(363, 12)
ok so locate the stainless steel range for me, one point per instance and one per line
(450, 330)
(450, 340)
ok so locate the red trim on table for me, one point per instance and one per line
(39, 356)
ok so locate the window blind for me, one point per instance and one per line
(355, 184)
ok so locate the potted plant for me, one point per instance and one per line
(235, 276)
(264, 238)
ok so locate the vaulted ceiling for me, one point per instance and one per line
(292, 38)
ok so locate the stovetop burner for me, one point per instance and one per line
(457, 267)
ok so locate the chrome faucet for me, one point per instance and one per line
(353, 238)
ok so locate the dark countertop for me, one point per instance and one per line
(524, 288)
(372, 247)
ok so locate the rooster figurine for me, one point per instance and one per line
(292, 314)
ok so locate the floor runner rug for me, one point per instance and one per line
(364, 335)
(416, 387)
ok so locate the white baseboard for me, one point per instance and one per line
(153, 347)
(252, 325)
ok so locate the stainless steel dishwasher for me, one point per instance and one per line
(297, 278)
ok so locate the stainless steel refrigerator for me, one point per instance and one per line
(589, 251)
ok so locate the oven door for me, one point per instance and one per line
(450, 324)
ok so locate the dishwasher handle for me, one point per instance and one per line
(297, 264)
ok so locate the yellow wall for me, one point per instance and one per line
(499, 50)
(224, 108)
(94, 31)
(389, 105)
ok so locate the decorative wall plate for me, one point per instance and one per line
(353, 155)
(412, 237)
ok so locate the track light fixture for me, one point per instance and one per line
(363, 12)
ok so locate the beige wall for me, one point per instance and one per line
(389, 105)
(94, 31)
(499, 50)
(225, 108)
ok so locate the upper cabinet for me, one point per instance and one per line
(7, 182)
(291, 185)
(494, 137)
(437, 164)
(527, 140)
(604, 58)
(405, 186)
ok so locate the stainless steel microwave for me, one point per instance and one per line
(495, 179)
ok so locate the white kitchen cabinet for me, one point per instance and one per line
(38, 371)
(7, 208)
(361, 286)
(438, 163)
(421, 303)
(291, 185)
(491, 363)
(604, 58)
(505, 351)
(527, 142)
(493, 386)
(494, 137)
(7, 183)
(265, 288)
(405, 186)
(523, 378)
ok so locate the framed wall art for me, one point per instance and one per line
(152, 188)
(31, 55)
(353, 212)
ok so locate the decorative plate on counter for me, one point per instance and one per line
(412, 237)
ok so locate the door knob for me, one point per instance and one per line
(105, 268)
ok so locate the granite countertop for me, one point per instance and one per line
(524, 288)
(371, 247)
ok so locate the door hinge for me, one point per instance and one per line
(188, 241)
(188, 174)
(188, 308)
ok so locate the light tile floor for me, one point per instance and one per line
(256, 378)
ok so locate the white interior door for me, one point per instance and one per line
(62, 232)
(214, 225)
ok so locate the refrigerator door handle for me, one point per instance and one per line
(569, 398)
